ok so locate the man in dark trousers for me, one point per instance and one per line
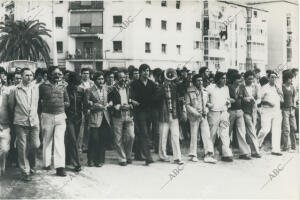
(143, 91)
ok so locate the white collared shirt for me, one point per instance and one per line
(123, 95)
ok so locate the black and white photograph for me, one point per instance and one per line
(135, 99)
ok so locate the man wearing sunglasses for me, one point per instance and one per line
(271, 96)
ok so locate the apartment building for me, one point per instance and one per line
(282, 30)
(234, 36)
(160, 33)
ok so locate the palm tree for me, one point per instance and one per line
(23, 40)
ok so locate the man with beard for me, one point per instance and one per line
(54, 98)
(122, 117)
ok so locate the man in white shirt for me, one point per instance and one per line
(271, 95)
(218, 117)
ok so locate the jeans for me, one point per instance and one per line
(143, 122)
(54, 127)
(72, 149)
(270, 120)
(96, 147)
(205, 134)
(250, 122)
(124, 137)
(289, 128)
(173, 126)
(28, 141)
(238, 117)
(219, 125)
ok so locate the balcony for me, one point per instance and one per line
(85, 55)
(85, 5)
(85, 30)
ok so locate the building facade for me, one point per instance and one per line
(283, 35)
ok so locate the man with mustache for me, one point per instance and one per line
(54, 98)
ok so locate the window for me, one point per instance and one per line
(148, 22)
(289, 54)
(60, 1)
(163, 48)
(117, 45)
(86, 3)
(163, 25)
(148, 2)
(59, 46)
(217, 43)
(255, 13)
(198, 25)
(147, 47)
(117, 19)
(59, 22)
(197, 45)
(177, 4)
(178, 26)
(163, 3)
(178, 49)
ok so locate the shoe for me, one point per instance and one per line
(164, 160)
(276, 153)
(148, 162)
(47, 168)
(256, 155)
(129, 161)
(194, 159)
(60, 171)
(245, 157)
(123, 163)
(209, 159)
(77, 168)
(227, 159)
(99, 165)
(90, 164)
(32, 171)
(26, 178)
(179, 162)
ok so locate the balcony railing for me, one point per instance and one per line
(85, 30)
(79, 5)
(82, 54)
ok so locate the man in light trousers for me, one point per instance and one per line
(196, 99)
(271, 95)
(23, 102)
(54, 98)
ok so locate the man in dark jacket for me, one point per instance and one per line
(122, 119)
(74, 119)
(142, 92)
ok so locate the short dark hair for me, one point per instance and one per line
(270, 72)
(287, 75)
(235, 77)
(53, 68)
(25, 69)
(98, 74)
(218, 76)
(85, 69)
(195, 77)
(74, 79)
(143, 67)
(248, 73)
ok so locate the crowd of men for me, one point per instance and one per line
(133, 110)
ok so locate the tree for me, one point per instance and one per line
(23, 40)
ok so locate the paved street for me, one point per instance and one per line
(240, 179)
